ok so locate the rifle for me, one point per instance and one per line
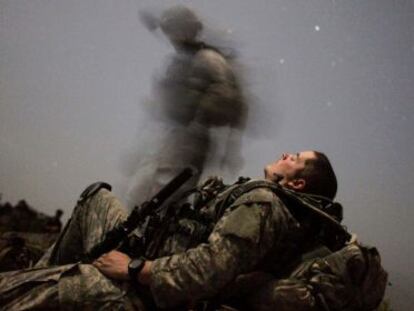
(119, 234)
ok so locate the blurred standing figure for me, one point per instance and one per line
(199, 91)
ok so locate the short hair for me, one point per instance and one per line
(319, 176)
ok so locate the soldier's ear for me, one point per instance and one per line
(297, 184)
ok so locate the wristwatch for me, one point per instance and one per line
(134, 267)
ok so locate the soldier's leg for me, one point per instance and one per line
(85, 287)
(30, 289)
(68, 287)
(90, 220)
(73, 286)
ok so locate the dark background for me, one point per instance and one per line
(331, 75)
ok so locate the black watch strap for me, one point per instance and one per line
(134, 267)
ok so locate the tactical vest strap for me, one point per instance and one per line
(318, 206)
(240, 187)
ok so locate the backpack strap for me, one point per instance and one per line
(317, 206)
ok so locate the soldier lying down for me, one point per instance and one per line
(255, 230)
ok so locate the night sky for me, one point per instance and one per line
(329, 75)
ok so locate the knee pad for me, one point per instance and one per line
(92, 190)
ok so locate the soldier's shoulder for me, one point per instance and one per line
(208, 53)
(210, 58)
(257, 191)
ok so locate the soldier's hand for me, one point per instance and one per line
(114, 265)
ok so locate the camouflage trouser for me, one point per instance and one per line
(59, 280)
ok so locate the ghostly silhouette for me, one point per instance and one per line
(198, 92)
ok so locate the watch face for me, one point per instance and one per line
(136, 263)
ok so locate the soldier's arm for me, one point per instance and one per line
(239, 241)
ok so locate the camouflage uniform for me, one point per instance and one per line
(350, 279)
(70, 285)
(255, 232)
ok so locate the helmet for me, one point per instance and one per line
(180, 24)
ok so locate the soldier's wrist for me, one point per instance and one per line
(144, 276)
(134, 268)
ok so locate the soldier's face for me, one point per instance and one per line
(285, 169)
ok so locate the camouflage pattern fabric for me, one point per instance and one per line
(256, 226)
(71, 285)
(289, 294)
(350, 279)
(255, 233)
(257, 229)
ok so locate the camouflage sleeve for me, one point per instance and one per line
(238, 242)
